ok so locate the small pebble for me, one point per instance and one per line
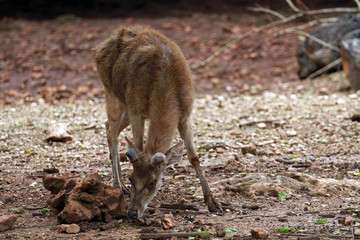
(220, 230)
(291, 133)
(62, 228)
(201, 222)
(259, 233)
(348, 220)
(250, 148)
(68, 228)
(73, 229)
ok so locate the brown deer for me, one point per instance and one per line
(146, 76)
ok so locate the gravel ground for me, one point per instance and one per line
(298, 127)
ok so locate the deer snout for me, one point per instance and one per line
(132, 213)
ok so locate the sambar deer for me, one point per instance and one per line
(146, 76)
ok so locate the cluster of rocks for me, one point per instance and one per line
(87, 199)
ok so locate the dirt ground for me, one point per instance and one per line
(55, 55)
(285, 154)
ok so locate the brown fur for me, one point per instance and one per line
(146, 76)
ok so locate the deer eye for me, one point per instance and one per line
(131, 181)
(153, 183)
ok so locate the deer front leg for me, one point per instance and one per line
(137, 128)
(118, 119)
(186, 134)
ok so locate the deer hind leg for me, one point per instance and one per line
(186, 134)
(118, 119)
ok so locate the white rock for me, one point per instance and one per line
(59, 132)
(291, 133)
(340, 101)
(261, 125)
(353, 96)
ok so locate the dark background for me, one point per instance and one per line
(48, 9)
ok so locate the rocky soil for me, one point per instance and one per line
(53, 58)
(284, 161)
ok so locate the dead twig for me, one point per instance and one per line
(286, 161)
(357, 3)
(324, 69)
(352, 231)
(170, 235)
(301, 165)
(33, 208)
(178, 206)
(292, 6)
(313, 236)
(299, 32)
(291, 30)
(303, 5)
(294, 163)
(250, 123)
(253, 215)
(266, 10)
(318, 40)
(299, 27)
(110, 225)
(296, 213)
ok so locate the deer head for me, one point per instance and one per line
(147, 173)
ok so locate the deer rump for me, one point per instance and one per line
(148, 74)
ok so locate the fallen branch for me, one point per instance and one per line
(270, 25)
(357, 3)
(110, 225)
(267, 10)
(294, 29)
(253, 215)
(286, 161)
(170, 235)
(303, 5)
(294, 163)
(292, 6)
(296, 213)
(301, 165)
(250, 123)
(318, 40)
(178, 206)
(324, 69)
(314, 236)
(34, 208)
(299, 27)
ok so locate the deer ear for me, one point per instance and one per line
(174, 154)
(157, 159)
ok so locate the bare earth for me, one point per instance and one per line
(42, 57)
(311, 128)
(303, 168)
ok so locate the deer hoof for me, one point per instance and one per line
(124, 188)
(213, 205)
